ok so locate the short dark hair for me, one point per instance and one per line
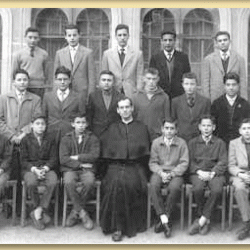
(38, 116)
(20, 71)
(189, 75)
(72, 26)
(245, 120)
(169, 120)
(152, 71)
(75, 115)
(121, 26)
(231, 75)
(63, 70)
(123, 99)
(168, 32)
(107, 72)
(219, 33)
(31, 29)
(207, 116)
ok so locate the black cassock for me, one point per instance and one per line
(124, 187)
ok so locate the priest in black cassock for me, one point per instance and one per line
(125, 146)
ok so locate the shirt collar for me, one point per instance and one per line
(210, 139)
(74, 48)
(18, 93)
(230, 99)
(174, 141)
(65, 92)
(127, 122)
(222, 53)
(125, 49)
(167, 53)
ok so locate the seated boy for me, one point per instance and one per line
(239, 167)
(5, 159)
(208, 163)
(168, 162)
(79, 149)
(38, 162)
(188, 108)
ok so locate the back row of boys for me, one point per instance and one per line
(152, 105)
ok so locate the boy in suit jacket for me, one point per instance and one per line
(208, 163)
(230, 109)
(239, 167)
(79, 149)
(34, 60)
(219, 63)
(188, 108)
(171, 64)
(125, 62)
(38, 160)
(79, 60)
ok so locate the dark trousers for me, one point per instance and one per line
(205, 207)
(173, 194)
(49, 182)
(87, 180)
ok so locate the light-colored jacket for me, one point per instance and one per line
(237, 157)
(213, 72)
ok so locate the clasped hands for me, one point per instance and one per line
(205, 175)
(40, 171)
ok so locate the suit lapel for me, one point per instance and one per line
(67, 58)
(128, 56)
(217, 60)
(232, 61)
(162, 60)
(78, 58)
(67, 101)
(116, 58)
(242, 148)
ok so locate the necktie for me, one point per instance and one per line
(32, 51)
(169, 57)
(122, 55)
(190, 101)
(79, 139)
(62, 96)
(224, 56)
(20, 97)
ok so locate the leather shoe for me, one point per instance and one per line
(86, 221)
(167, 230)
(205, 229)
(117, 236)
(159, 227)
(194, 228)
(37, 223)
(72, 218)
(244, 232)
(46, 218)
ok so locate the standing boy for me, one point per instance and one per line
(38, 160)
(79, 149)
(79, 60)
(230, 109)
(34, 60)
(188, 108)
(208, 163)
(239, 167)
(168, 162)
(151, 104)
(125, 62)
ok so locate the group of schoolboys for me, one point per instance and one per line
(37, 136)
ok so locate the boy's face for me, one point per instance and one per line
(223, 42)
(189, 86)
(32, 39)
(122, 37)
(80, 124)
(245, 131)
(38, 126)
(150, 81)
(125, 109)
(169, 130)
(168, 42)
(62, 81)
(21, 82)
(232, 87)
(206, 127)
(72, 37)
(106, 82)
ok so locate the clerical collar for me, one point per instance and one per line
(128, 121)
(74, 48)
(224, 53)
(167, 53)
(125, 49)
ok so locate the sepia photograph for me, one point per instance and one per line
(124, 125)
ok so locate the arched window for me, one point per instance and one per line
(51, 24)
(94, 31)
(197, 42)
(154, 22)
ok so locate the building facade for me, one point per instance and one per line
(195, 29)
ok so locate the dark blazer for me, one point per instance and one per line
(5, 154)
(188, 118)
(32, 154)
(58, 114)
(181, 65)
(219, 111)
(98, 116)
